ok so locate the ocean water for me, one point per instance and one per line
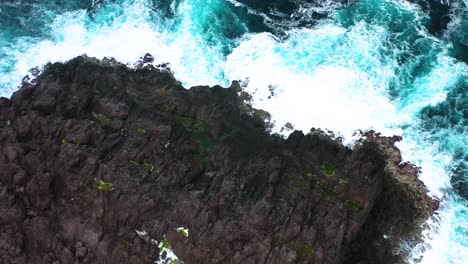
(396, 66)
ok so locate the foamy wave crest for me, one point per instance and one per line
(126, 33)
(443, 235)
(326, 77)
(352, 71)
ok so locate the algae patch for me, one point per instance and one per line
(105, 121)
(183, 231)
(328, 169)
(149, 166)
(202, 136)
(164, 244)
(302, 250)
(101, 185)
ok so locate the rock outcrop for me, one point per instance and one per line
(94, 152)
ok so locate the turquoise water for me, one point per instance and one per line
(395, 66)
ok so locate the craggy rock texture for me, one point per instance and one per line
(200, 158)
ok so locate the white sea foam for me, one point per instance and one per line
(329, 77)
(317, 81)
(126, 38)
(442, 238)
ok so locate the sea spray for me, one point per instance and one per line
(371, 65)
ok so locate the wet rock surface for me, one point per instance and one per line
(93, 151)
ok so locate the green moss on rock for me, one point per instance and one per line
(328, 194)
(105, 121)
(164, 244)
(101, 185)
(352, 205)
(202, 136)
(302, 250)
(149, 166)
(183, 231)
(344, 181)
(328, 169)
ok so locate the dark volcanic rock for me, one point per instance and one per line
(95, 151)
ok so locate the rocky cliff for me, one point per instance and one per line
(99, 163)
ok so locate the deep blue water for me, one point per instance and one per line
(393, 65)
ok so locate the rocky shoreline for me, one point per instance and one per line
(99, 163)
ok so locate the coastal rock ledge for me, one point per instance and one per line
(99, 163)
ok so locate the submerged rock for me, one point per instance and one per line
(94, 151)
